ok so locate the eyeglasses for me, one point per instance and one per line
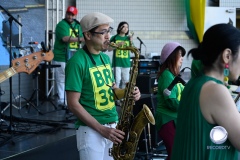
(104, 32)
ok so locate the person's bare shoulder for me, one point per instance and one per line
(218, 107)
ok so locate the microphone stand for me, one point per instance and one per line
(11, 19)
(141, 43)
(140, 47)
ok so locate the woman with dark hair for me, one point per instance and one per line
(167, 105)
(121, 58)
(208, 123)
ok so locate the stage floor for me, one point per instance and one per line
(43, 132)
(33, 127)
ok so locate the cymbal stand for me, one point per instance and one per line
(1, 120)
(17, 97)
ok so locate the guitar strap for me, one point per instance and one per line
(73, 28)
(68, 52)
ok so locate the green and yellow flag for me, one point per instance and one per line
(195, 10)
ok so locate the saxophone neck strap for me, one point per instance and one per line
(90, 56)
(94, 63)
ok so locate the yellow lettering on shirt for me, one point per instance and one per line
(101, 80)
(122, 53)
(73, 44)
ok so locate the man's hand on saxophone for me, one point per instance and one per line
(119, 93)
(136, 93)
(114, 135)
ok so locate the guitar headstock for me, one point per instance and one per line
(30, 62)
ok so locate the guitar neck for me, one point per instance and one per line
(7, 74)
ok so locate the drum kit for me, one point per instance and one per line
(24, 51)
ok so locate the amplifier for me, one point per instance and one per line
(143, 71)
(147, 83)
(148, 63)
(148, 66)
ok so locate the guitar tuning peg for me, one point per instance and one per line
(17, 63)
(43, 54)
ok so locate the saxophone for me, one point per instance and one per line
(132, 126)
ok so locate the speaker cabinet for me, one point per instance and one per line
(151, 101)
(147, 83)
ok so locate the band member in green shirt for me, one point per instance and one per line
(89, 86)
(167, 105)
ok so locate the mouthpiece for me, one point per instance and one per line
(107, 42)
(111, 44)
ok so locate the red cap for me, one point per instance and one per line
(72, 10)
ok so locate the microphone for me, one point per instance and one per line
(184, 69)
(15, 55)
(43, 47)
(141, 41)
(177, 79)
(32, 42)
(31, 49)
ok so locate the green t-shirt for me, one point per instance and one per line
(60, 48)
(167, 106)
(121, 58)
(192, 140)
(91, 81)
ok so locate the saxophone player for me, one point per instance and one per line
(89, 87)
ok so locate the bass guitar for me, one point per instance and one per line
(26, 64)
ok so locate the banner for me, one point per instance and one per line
(195, 10)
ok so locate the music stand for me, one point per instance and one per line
(47, 97)
(36, 91)
(11, 19)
